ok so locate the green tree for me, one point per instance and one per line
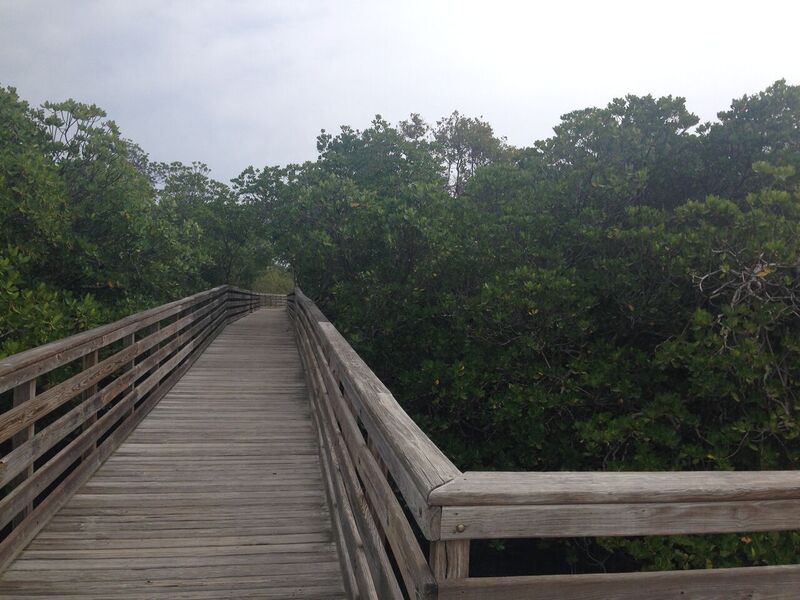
(764, 127)
(463, 145)
(581, 304)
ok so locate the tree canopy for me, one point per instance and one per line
(91, 229)
(620, 296)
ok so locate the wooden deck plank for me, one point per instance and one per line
(217, 494)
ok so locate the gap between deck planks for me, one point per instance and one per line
(217, 494)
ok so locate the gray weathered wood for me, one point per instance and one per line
(380, 565)
(239, 512)
(450, 559)
(53, 468)
(90, 360)
(382, 503)
(23, 393)
(764, 583)
(19, 537)
(25, 414)
(14, 462)
(372, 574)
(31, 363)
(348, 575)
(416, 463)
(512, 488)
(575, 520)
(220, 491)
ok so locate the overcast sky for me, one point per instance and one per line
(234, 83)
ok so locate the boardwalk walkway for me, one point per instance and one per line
(217, 494)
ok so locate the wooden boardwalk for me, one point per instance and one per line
(217, 494)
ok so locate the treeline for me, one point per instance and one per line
(624, 295)
(92, 230)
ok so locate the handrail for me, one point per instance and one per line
(564, 487)
(416, 463)
(31, 363)
(451, 508)
(518, 505)
(63, 419)
(358, 464)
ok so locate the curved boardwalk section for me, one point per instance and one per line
(217, 494)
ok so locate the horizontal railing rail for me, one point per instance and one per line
(367, 444)
(68, 405)
(513, 505)
(372, 447)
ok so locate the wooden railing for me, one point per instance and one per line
(68, 405)
(369, 445)
(379, 467)
(273, 300)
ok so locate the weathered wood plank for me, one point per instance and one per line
(416, 463)
(15, 461)
(348, 573)
(450, 559)
(11, 504)
(171, 505)
(23, 393)
(576, 520)
(381, 568)
(370, 582)
(764, 583)
(383, 505)
(88, 361)
(27, 413)
(31, 363)
(513, 488)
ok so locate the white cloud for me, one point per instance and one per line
(252, 82)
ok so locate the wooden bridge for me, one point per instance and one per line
(233, 445)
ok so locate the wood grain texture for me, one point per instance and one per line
(383, 507)
(214, 460)
(372, 568)
(512, 488)
(41, 515)
(450, 559)
(577, 520)
(27, 413)
(31, 363)
(216, 494)
(417, 465)
(23, 393)
(763, 583)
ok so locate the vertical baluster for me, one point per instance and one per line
(130, 340)
(449, 559)
(89, 360)
(22, 393)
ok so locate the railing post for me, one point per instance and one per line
(130, 340)
(449, 559)
(373, 449)
(88, 361)
(22, 393)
